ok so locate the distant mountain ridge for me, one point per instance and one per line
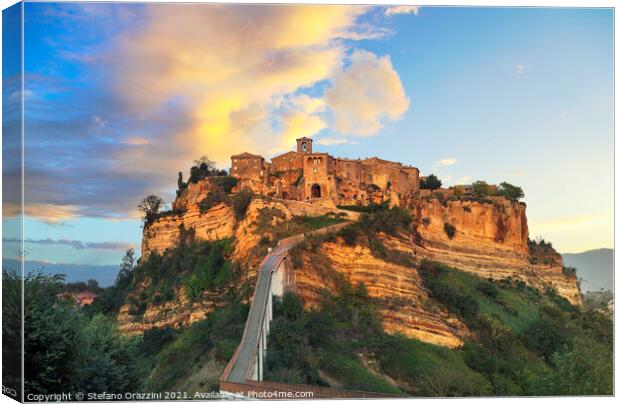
(105, 275)
(595, 267)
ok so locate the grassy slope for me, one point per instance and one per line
(202, 349)
(525, 343)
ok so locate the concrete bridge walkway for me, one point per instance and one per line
(243, 375)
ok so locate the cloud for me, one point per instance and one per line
(78, 245)
(169, 83)
(234, 66)
(366, 94)
(463, 180)
(445, 162)
(393, 10)
(520, 69)
(332, 141)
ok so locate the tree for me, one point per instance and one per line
(180, 184)
(431, 182)
(481, 189)
(150, 206)
(202, 168)
(127, 265)
(204, 161)
(510, 192)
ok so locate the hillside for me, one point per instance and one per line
(522, 342)
(594, 267)
(445, 297)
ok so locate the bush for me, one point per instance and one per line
(220, 331)
(510, 192)
(569, 271)
(67, 350)
(431, 182)
(227, 182)
(215, 196)
(449, 230)
(150, 206)
(240, 202)
(203, 168)
(481, 189)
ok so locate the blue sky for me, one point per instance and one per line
(120, 97)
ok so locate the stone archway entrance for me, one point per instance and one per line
(316, 191)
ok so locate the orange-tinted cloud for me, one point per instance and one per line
(239, 70)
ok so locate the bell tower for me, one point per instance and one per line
(304, 145)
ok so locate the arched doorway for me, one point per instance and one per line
(316, 191)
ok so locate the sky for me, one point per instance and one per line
(121, 97)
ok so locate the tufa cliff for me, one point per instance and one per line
(487, 237)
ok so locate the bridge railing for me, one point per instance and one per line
(267, 389)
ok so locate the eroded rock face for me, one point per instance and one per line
(217, 223)
(490, 240)
(180, 312)
(166, 232)
(404, 304)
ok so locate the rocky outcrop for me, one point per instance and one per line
(486, 237)
(217, 223)
(404, 304)
(490, 239)
(167, 231)
(180, 312)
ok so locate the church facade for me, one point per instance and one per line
(306, 175)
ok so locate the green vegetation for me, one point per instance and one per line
(174, 356)
(151, 207)
(110, 300)
(69, 350)
(196, 265)
(276, 231)
(524, 338)
(509, 191)
(382, 219)
(542, 252)
(226, 182)
(449, 230)
(79, 349)
(431, 182)
(301, 343)
(66, 350)
(524, 342)
(481, 189)
(215, 196)
(203, 168)
(12, 329)
(240, 202)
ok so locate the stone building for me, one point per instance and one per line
(304, 175)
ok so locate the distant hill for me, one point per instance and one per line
(103, 274)
(595, 267)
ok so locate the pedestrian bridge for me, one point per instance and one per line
(243, 375)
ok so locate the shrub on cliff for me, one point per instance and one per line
(215, 196)
(449, 230)
(431, 182)
(240, 202)
(150, 206)
(226, 182)
(203, 168)
(481, 189)
(510, 192)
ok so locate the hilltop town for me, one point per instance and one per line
(304, 174)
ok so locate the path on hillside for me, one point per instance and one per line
(242, 362)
